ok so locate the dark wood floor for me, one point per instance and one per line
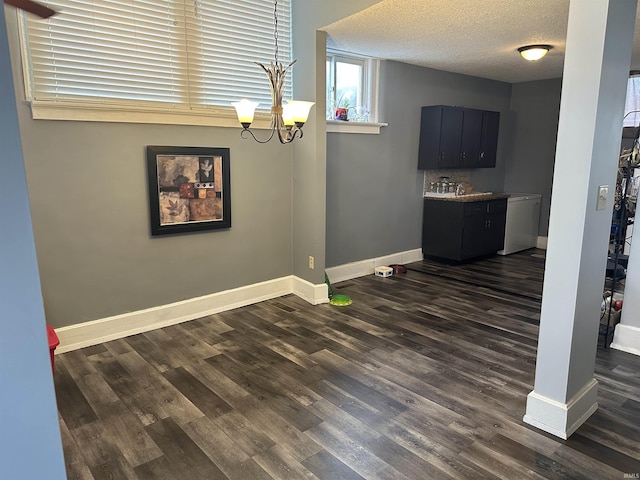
(425, 376)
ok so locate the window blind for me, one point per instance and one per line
(178, 54)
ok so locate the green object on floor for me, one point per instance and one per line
(341, 300)
(338, 300)
(329, 288)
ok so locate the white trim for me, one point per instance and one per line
(314, 294)
(627, 339)
(542, 243)
(370, 128)
(361, 268)
(562, 419)
(92, 112)
(131, 323)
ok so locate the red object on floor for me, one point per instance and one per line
(54, 341)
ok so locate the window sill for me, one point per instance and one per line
(369, 128)
(92, 112)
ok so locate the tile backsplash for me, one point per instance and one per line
(456, 176)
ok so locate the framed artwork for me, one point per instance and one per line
(189, 189)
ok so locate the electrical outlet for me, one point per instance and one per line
(311, 262)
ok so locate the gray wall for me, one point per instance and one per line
(535, 107)
(374, 189)
(87, 184)
(29, 433)
(88, 189)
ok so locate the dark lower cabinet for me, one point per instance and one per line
(459, 231)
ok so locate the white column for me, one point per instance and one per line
(627, 333)
(598, 52)
(29, 430)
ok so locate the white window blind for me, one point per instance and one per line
(171, 54)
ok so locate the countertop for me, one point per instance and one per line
(470, 197)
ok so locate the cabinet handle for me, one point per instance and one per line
(464, 155)
(481, 154)
(489, 222)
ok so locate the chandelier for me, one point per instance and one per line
(286, 120)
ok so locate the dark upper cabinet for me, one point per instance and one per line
(449, 133)
(489, 139)
(471, 136)
(456, 137)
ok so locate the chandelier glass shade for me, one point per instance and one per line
(287, 119)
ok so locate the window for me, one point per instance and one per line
(352, 85)
(175, 57)
(632, 105)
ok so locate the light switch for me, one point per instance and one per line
(603, 193)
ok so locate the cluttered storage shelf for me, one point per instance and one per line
(624, 211)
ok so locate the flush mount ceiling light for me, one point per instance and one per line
(286, 120)
(534, 52)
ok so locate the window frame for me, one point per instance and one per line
(369, 88)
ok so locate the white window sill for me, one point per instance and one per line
(339, 126)
(91, 112)
(215, 117)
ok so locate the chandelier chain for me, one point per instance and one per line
(275, 27)
(286, 121)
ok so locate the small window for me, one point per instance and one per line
(351, 87)
(632, 105)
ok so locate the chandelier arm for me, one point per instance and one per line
(289, 135)
(242, 134)
(289, 66)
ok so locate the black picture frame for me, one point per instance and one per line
(189, 189)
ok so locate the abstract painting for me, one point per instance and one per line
(189, 189)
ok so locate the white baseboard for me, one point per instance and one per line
(131, 323)
(361, 268)
(542, 243)
(626, 338)
(562, 419)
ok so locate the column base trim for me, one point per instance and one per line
(314, 294)
(562, 419)
(542, 242)
(626, 338)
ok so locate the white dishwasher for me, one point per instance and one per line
(523, 217)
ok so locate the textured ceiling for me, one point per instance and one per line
(473, 37)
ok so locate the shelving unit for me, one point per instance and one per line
(624, 210)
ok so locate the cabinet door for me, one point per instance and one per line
(483, 231)
(442, 229)
(494, 239)
(430, 128)
(474, 237)
(489, 139)
(496, 221)
(450, 137)
(471, 136)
